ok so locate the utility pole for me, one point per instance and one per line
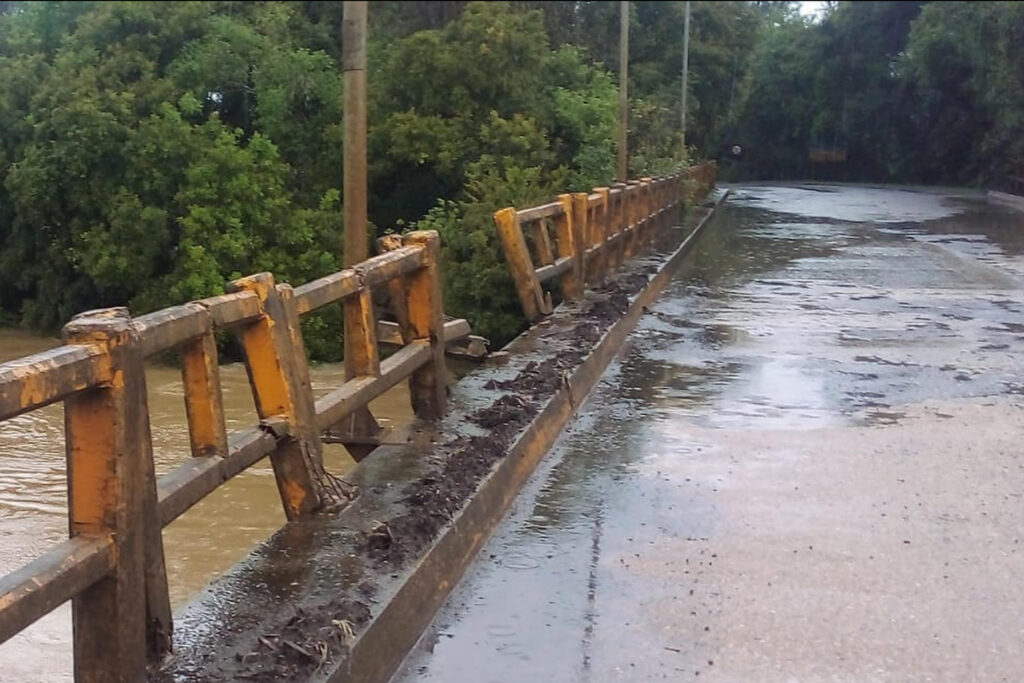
(623, 94)
(359, 431)
(353, 64)
(686, 69)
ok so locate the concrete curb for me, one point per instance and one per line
(381, 647)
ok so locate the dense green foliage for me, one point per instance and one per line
(152, 151)
(914, 92)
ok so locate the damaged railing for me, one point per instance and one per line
(112, 567)
(594, 233)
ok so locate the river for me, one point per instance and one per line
(199, 545)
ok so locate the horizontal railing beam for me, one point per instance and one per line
(549, 210)
(190, 482)
(44, 378)
(361, 390)
(389, 332)
(346, 283)
(50, 580)
(557, 268)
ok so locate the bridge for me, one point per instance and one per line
(778, 477)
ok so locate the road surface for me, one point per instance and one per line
(805, 466)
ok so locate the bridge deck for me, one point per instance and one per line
(805, 467)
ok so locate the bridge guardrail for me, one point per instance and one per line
(112, 566)
(595, 233)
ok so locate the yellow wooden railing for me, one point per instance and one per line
(112, 566)
(594, 233)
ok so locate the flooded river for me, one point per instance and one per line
(805, 466)
(203, 542)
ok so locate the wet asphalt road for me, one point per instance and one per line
(805, 466)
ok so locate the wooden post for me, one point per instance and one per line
(582, 227)
(570, 245)
(542, 242)
(524, 274)
(106, 490)
(428, 386)
(270, 357)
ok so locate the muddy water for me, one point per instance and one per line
(199, 545)
(804, 466)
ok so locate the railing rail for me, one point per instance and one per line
(594, 233)
(112, 567)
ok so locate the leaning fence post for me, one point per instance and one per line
(270, 358)
(428, 386)
(524, 275)
(106, 490)
(570, 245)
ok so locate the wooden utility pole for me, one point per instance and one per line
(360, 431)
(686, 69)
(623, 94)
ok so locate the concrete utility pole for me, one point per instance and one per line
(353, 64)
(623, 94)
(359, 431)
(686, 68)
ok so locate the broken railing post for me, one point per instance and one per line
(428, 386)
(524, 275)
(270, 357)
(106, 490)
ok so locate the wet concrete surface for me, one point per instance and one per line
(803, 467)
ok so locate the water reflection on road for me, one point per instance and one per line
(803, 467)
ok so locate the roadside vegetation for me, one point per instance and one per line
(152, 151)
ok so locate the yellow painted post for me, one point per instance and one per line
(581, 235)
(631, 212)
(524, 274)
(621, 221)
(428, 386)
(361, 327)
(646, 212)
(566, 229)
(204, 403)
(603, 226)
(396, 285)
(106, 490)
(270, 357)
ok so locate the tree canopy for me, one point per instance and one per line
(153, 151)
